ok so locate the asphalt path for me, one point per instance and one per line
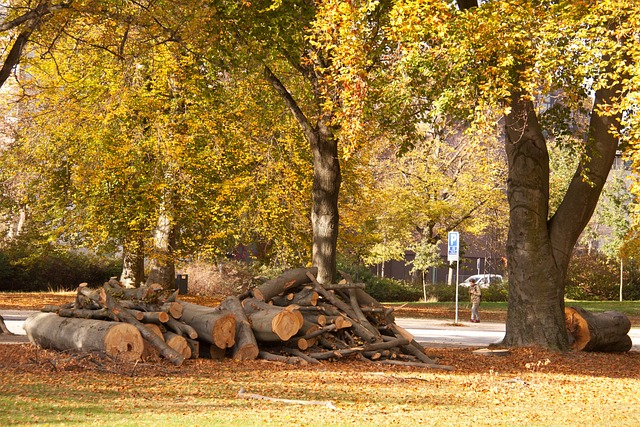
(428, 332)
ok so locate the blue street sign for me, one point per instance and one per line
(454, 246)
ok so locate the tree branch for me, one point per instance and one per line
(291, 103)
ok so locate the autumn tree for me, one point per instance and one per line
(509, 56)
(317, 56)
(445, 181)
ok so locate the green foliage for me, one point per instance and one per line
(382, 289)
(496, 292)
(31, 268)
(597, 278)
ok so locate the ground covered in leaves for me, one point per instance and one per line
(526, 387)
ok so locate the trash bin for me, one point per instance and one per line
(181, 283)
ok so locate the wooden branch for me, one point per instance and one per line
(83, 313)
(301, 355)
(292, 360)
(3, 328)
(181, 328)
(244, 395)
(287, 280)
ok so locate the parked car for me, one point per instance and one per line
(483, 280)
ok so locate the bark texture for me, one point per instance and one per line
(48, 330)
(539, 249)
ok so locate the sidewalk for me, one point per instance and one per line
(428, 332)
(443, 332)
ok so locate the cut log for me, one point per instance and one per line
(120, 340)
(279, 285)
(271, 323)
(606, 332)
(178, 343)
(245, 347)
(213, 325)
(211, 351)
(174, 309)
(151, 316)
(165, 351)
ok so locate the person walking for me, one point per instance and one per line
(475, 294)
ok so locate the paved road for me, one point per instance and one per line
(429, 332)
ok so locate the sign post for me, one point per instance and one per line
(453, 254)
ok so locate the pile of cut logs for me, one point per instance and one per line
(291, 318)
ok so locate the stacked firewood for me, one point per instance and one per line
(291, 318)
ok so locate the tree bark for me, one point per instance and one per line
(213, 325)
(606, 332)
(245, 347)
(48, 330)
(280, 284)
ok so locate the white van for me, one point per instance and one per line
(483, 280)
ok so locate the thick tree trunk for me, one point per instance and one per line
(48, 330)
(324, 213)
(538, 249)
(536, 294)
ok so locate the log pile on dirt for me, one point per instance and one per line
(291, 318)
(604, 332)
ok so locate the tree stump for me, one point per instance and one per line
(606, 332)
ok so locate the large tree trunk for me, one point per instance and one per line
(326, 180)
(324, 213)
(536, 311)
(539, 250)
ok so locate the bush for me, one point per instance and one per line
(391, 290)
(443, 292)
(594, 278)
(30, 270)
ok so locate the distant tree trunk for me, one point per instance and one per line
(133, 263)
(162, 268)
